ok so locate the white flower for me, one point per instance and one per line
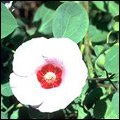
(48, 74)
(9, 6)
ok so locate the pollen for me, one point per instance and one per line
(50, 76)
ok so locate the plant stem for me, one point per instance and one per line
(85, 3)
(4, 107)
(87, 48)
(98, 79)
(8, 49)
(109, 78)
(10, 108)
(113, 85)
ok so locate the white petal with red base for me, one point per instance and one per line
(48, 73)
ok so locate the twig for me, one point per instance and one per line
(113, 85)
(87, 49)
(109, 78)
(85, 3)
(8, 49)
(105, 79)
(106, 86)
(98, 79)
(102, 79)
(10, 108)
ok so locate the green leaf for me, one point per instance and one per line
(100, 5)
(112, 60)
(113, 8)
(17, 36)
(20, 22)
(100, 61)
(116, 18)
(6, 90)
(108, 6)
(112, 37)
(116, 78)
(100, 109)
(81, 113)
(115, 103)
(84, 91)
(71, 21)
(98, 49)
(116, 26)
(117, 85)
(3, 115)
(45, 16)
(2, 102)
(15, 114)
(96, 35)
(8, 22)
(99, 71)
(110, 113)
(31, 31)
(93, 96)
(103, 109)
(116, 23)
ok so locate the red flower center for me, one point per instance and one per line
(49, 76)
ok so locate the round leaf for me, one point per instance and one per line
(100, 5)
(71, 21)
(15, 114)
(96, 35)
(98, 49)
(8, 22)
(112, 60)
(6, 90)
(113, 8)
(100, 61)
(116, 26)
(3, 115)
(108, 6)
(110, 113)
(44, 16)
(115, 103)
(93, 96)
(103, 109)
(100, 109)
(81, 113)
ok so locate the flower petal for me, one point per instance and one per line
(29, 56)
(74, 79)
(67, 92)
(24, 89)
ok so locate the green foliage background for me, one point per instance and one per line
(100, 95)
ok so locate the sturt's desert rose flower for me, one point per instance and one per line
(48, 74)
